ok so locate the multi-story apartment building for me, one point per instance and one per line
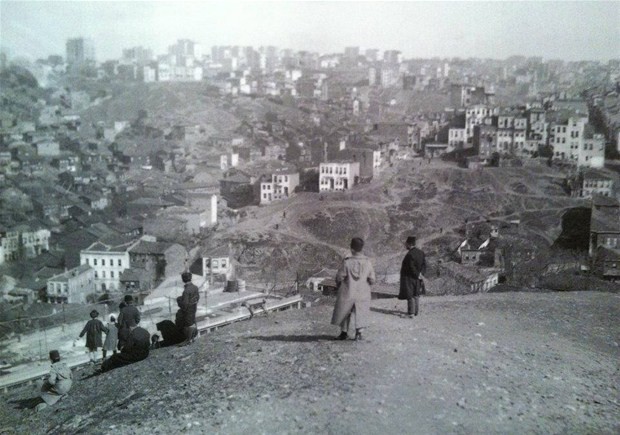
(282, 185)
(108, 262)
(338, 175)
(457, 138)
(486, 138)
(72, 286)
(574, 140)
(23, 241)
(80, 53)
(475, 115)
(591, 183)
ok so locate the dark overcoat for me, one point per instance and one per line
(93, 329)
(354, 279)
(189, 303)
(413, 265)
(135, 349)
(127, 318)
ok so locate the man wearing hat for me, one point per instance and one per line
(93, 329)
(414, 265)
(188, 304)
(129, 317)
(57, 384)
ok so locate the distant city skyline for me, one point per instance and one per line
(570, 31)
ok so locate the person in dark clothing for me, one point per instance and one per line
(136, 349)
(93, 329)
(414, 265)
(171, 334)
(188, 306)
(128, 318)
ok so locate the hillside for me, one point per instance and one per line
(433, 201)
(486, 363)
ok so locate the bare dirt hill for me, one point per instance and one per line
(434, 201)
(491, 363)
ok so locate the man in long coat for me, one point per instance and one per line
(128, 318)
(354, 279)
(188, 304)
(413, 265)
(93, 329)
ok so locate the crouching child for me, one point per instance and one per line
(57, 384)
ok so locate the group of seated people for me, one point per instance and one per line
(134, 342)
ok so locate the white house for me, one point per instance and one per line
(72, 286)
(338, 175)
(217, 261)
(282, 185)
(108, 263)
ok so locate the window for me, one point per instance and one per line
(112, 274)
(103, 274)
(103, 261)
(94, 261)
(96, 274)
(120, 262)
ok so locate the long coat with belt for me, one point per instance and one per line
(413, 265)
(93, 329)
(354, 279)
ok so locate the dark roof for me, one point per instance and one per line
(605, 220)
(594, 174)
(145, 247)
(134, 274)
(604, 201)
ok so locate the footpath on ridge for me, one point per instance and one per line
(484, 363)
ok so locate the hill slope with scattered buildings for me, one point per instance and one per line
(437, 202)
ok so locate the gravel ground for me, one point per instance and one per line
(487, 363)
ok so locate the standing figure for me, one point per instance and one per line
(111, 338)
(188, 304)
(129, 317)
(354, 279)
(57, 384)
(414, 264)
(93, 329)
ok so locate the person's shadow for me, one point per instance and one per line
(294, 338)
(29, 403)
(385, 311)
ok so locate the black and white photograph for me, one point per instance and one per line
(309, 217)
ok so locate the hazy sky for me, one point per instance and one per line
(498, 29)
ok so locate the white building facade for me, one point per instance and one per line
(72, 286)
(335, 176)
(281, 186)
(108, 263)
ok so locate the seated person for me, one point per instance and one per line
(57, 384)
(136, 349)
(171, 333)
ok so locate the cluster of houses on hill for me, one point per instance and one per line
(557, 128)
